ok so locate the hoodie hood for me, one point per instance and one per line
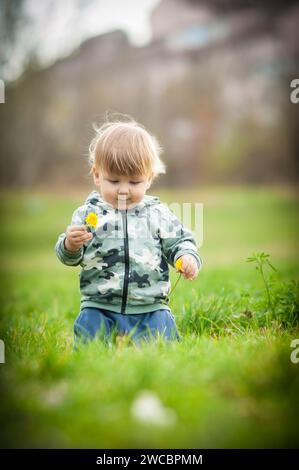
(94, 198)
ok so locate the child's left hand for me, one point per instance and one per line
(187, 265)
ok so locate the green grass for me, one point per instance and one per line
(229, 383)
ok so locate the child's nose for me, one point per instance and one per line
(123, 190)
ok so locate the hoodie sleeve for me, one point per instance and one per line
(176, 239)
(71, 258)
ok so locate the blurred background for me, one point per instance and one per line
(211, 79)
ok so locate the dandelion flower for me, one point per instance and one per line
(92, 220)
(55, 395)
(179, 265)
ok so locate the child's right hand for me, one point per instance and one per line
(76, 236)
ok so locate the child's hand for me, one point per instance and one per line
(187, 265)
(76, 236)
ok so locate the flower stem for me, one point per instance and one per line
(176, 282)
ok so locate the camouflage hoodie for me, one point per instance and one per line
(125, 265)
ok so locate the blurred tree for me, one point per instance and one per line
(11, 18)
(273, 6)
(218, 117)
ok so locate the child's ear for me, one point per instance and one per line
(96, 175)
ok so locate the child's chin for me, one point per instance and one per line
(125, 205)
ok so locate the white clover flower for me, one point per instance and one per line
(147, 408)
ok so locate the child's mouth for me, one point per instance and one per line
(123, 199)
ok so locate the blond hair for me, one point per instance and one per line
(126, 148)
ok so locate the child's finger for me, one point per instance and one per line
(186, 266)
(78, 234)
(188, 275)
(77, 228)
(191, 271)
(193, 274)
(191, 265)
(75, 238)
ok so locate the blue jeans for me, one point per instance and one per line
(94, 321)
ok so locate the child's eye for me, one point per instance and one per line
(113, 181)
(135, 182)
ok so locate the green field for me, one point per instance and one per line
(229, 383)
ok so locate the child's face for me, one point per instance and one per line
(121, 191)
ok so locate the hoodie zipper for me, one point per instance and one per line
(126, 279)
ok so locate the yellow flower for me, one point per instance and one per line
(179, 264)
(92, 219)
